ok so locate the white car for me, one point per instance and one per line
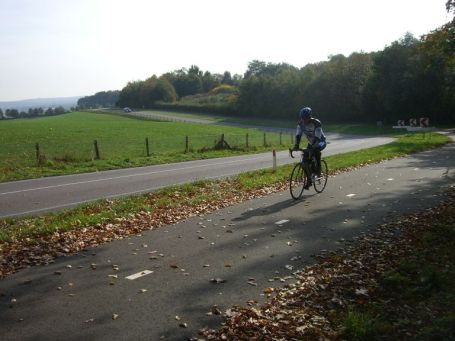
(126, 109)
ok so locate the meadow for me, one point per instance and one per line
(65, 144)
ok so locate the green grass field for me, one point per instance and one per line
(66, 143)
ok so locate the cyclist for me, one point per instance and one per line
(312, 128)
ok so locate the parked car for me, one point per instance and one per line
(126, 109)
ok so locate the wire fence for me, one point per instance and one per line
(39, 152)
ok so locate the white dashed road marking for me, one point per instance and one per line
(139, 274)
(281, 222)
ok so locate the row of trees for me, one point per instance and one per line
(410, 77)
(31, 113)
(103, 99)
(173, 85)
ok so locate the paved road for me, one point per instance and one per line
(260, 239)
(56, 193)
(152, 115)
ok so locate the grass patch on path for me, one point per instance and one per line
(37, 240)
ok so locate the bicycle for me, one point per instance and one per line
(304, 171)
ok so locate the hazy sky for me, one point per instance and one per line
(55, 48)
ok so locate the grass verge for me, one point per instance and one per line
(105, 220)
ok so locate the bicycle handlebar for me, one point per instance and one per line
(295, 150)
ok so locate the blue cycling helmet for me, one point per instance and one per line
(305, 113)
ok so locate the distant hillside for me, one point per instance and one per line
(66, 102)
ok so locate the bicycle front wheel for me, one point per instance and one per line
(320, 182)
(297, 181)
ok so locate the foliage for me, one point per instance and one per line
(103, 99)
(224, 89)
(194, 81)
(410, 78)
(450, 6)
(32, 113)
(143, 94)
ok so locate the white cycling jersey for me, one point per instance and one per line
(313, 131)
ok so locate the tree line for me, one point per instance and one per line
(411, 77)
(31, 113)
(102, 99)
(173, 85)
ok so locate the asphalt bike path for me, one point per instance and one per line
(28, 197)
(144, 287)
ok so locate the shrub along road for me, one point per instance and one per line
(180, 272)
(56, 193)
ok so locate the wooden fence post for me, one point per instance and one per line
(246, 140)
(186, 144)
(274, 161)
(37, 152)
(97, 151)
(147, 146)
(265, 142)
(281, 133)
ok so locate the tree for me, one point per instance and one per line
(210, 81)
(1, 114)
(166, 92)
(450, 6)
(391, 90)
(105, 99)
(12, 113)
(227, 78)
(143, 94)
(59, 110)
(436, 67)
(255, 68)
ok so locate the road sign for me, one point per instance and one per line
(400, 123)
(413, 122)
(424, 122)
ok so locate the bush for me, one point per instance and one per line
(224, 89)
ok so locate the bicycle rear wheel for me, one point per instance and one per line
(297, 181)
(320, 182)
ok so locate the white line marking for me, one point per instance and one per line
(145, 190)
(350, 195)
(281, 222)
(139, 274)
(134, 175)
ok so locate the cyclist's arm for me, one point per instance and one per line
(319, 137)
(298, 137)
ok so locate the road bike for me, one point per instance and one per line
(305, 170)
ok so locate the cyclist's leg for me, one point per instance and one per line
(307, 157)
(317, 153)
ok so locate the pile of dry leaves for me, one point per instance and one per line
(315, 306)
(41, 250)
